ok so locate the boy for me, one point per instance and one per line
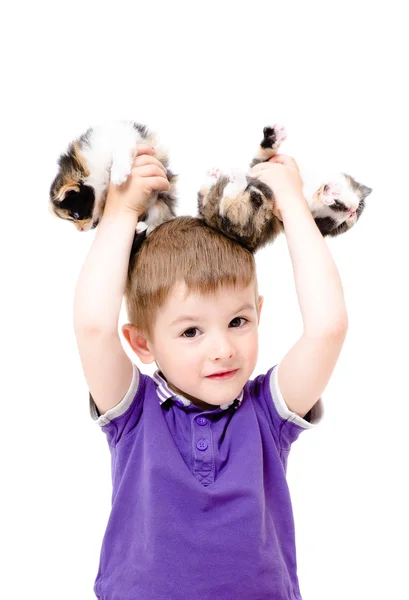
(200, 503)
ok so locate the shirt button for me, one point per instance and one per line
(201, 421)
(202, 445)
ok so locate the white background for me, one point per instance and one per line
(207, 77)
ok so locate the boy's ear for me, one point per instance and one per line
(138, 343)
(260, 305)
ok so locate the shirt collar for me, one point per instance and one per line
(164, 393)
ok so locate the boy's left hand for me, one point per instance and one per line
(282, 175)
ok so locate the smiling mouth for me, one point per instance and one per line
(224, 375)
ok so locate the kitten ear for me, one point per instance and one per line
(365, 190)
(69, 188)
(64, 190)
(357, 186)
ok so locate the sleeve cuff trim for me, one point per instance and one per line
(282, 408)
(121, 407)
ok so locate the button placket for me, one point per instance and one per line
(203, 457)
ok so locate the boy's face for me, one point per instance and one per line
(218, 337)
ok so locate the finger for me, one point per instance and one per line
(279, 158)
(143, 148)
(149, 171)
(160, 184)
(259, 168)
(283, 159)
(148, 160)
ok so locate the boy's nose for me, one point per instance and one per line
(221, 349)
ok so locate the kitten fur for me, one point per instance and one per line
(102, 155)
(242, 206)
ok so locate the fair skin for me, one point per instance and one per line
(221, 338)
(303, 372)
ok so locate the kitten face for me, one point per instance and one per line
(74, 202)
(338, 204)
(70, 198)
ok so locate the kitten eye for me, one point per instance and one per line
(75, 216)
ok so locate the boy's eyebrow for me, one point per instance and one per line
(182, 318)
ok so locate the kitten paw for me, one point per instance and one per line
(119, 173)
(141, 226)
(214, 173)
(237, 182)
(274, 135)
(211, 177)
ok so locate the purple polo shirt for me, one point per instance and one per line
(200, 502)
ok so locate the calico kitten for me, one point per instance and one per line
(104, 155)
(242, 206)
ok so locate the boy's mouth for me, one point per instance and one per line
(223, 374)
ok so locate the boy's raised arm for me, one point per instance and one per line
(97, 305)
(305, 370)
(101, 284)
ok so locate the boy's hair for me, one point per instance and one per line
(187, 250)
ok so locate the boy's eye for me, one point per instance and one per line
(239, 319)
(195, 328)
(187, 331)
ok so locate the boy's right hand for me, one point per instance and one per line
(282, 174)
(147, 175)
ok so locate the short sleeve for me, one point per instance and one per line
(121, 419)
(287, 425)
